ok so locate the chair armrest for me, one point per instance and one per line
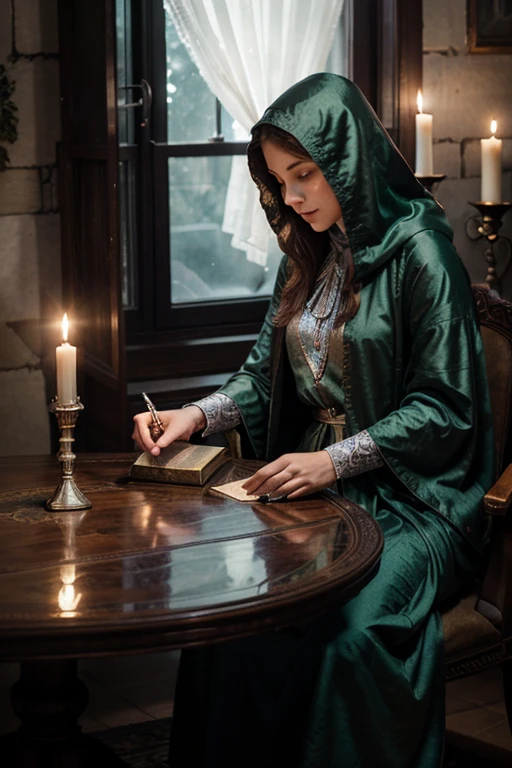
(234, 443)
(497, 501)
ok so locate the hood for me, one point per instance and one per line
(382, 202)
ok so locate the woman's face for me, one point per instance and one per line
(303, 187)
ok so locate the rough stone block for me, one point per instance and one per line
(13, 352)
(35, 24)
(447, 158)
(37, 99)
(20, 191)
(49, 189)
(454, 196)
(466, 92)
(5, 31)
(30, 265)
(32, 333)
(19, 269)
(444, 24)
(507, 154)
(507, 191)
(23, 414)
(471, 158)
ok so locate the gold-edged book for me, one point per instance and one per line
(180, 463)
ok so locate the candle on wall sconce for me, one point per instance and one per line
(491, 167)
(424, 154)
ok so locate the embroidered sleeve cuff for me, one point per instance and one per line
(354, 455)
(221, 413)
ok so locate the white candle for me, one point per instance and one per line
(424, 157)
(66, 368)
(491, 167)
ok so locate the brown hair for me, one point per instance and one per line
(305, 248)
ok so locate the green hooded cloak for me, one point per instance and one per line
(363, 687)
(413, 371)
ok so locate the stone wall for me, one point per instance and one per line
(29, 225)
(464, 92)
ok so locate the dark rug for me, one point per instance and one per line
(140, 745)
(145, 745)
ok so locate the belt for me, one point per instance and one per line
(329, 416)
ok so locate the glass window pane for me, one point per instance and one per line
(125, 117)
(190, 103)
(204, 265)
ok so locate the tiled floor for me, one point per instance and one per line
(131, 689)
(122, 690)
(476, 717)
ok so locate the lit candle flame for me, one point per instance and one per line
(494, 127)
(65, 327)
(419, 102)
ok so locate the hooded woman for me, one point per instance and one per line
(369, 373)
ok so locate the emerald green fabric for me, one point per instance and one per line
(363, 687)
(415, 340)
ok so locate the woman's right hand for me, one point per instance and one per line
(179, 425)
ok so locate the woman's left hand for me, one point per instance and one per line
(293, 475)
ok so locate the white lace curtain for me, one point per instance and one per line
(249, 52)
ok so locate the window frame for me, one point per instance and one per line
(200, 313)
(155, 310)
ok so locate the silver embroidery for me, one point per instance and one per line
(319, 315)
(221, 413)
(354, 455)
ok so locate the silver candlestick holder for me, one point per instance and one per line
(67, 496)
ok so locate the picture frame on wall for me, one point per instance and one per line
(489, 26)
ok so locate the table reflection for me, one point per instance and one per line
(164, 566)
(68, 598)
(179, 576)
(218, 552)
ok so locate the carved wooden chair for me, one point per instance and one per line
(478, 627)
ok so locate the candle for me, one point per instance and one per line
(424, 158)
(66, 368)
(491, 167)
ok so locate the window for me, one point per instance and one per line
(204, 264)
(127, 155)
(197, 274)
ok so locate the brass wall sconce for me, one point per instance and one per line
(487, 224)
(431, 183)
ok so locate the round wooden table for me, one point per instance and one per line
(150, 567)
